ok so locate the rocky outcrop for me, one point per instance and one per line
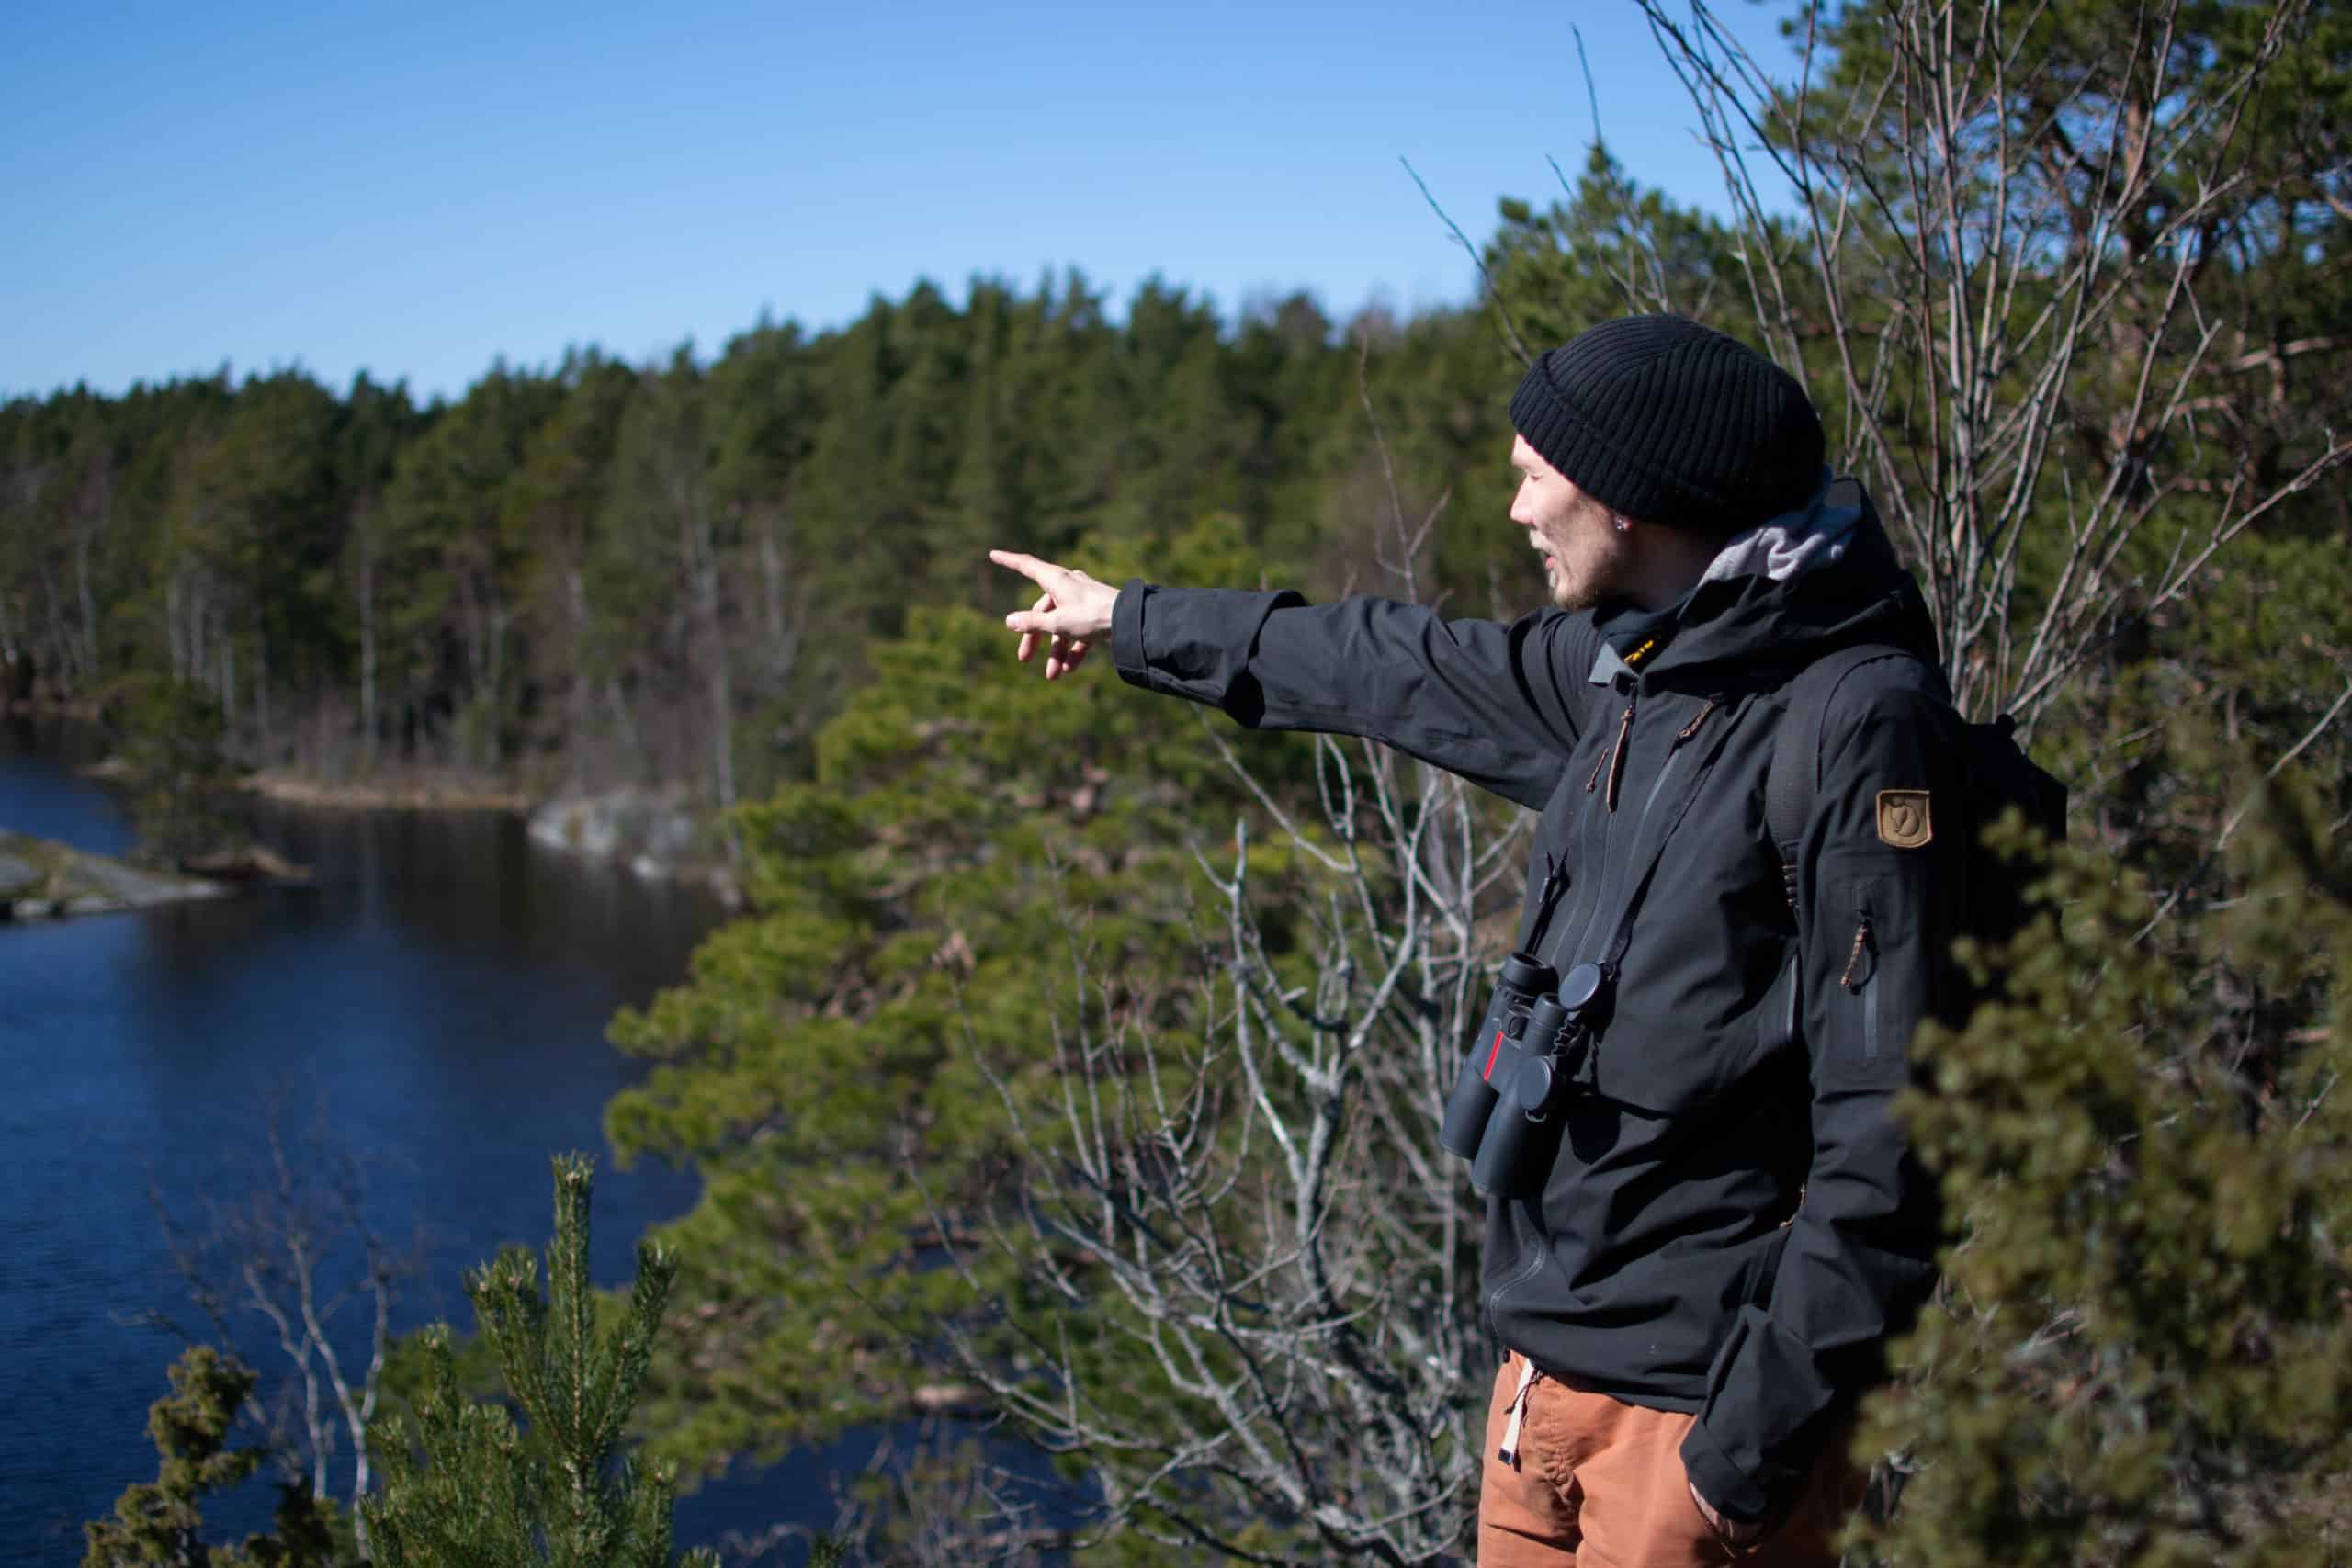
(253, 863)
(395, 792)
(652, 831)
(41, 879)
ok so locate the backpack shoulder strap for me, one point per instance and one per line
(1795, 775)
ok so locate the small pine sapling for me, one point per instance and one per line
(476, 1491)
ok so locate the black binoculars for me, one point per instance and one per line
(1529, 1055)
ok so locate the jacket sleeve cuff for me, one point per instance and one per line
(1728, 1488)
(1127, 655)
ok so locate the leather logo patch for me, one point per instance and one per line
(1903, 819)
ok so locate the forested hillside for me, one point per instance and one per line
(596, 573)
(1083, 1056)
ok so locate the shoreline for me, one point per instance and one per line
(640, 831)
(49, 707)
(651, 833)
(390, 794)
(42, 879)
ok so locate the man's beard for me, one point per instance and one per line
(1579, 595)
(1602, 580)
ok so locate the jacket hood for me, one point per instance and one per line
(1820, 577)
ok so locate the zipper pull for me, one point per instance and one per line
(1853, 983)
(1691, 729)
(1617, 752)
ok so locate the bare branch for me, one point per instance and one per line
(1485, 280)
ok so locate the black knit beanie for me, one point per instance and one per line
(1670, 422)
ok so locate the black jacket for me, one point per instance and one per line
(1734, 1222)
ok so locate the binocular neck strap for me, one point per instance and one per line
(1556, 882)
(1623, 937)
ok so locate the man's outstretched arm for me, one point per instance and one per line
(1499, 705)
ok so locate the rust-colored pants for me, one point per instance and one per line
(1599, 1484)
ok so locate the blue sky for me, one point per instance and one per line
(416, 189)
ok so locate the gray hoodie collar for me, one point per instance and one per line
(1813, 536)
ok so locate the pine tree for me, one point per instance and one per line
(2140, 1353)
(558, 1492)
(172, 747)
(157, 1521)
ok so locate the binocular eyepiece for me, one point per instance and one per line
(1533, 1052)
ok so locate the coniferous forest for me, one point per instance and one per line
(1075, 1058)
(594, 573)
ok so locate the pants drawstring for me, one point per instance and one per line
(1528, 1373)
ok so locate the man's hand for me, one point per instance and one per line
(1732, 1530)
(1072, 615)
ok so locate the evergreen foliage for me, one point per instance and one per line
(2142, 1354)
(904, 901)
(157, 1522)
(169, 750)
(480, 1492)
(596, 574)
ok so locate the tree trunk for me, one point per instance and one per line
(173, 636)
(470, 626)
(582, 706)
(68, 654)
(784, 627)
(493, 738)
(631, 744)
(699, 555)
(261, 685)
(368, 652)
(82, 534)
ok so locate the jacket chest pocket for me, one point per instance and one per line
(1695, 1027)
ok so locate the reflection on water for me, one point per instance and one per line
(442, 990)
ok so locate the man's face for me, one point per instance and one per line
(1585, 558)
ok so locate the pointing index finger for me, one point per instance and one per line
(1042, 572)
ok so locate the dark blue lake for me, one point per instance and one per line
(439, 995)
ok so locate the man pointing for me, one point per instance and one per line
(1693, 1291)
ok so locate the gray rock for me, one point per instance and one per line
(42, 880)
(652, 832)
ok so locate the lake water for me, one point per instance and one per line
(441, 992)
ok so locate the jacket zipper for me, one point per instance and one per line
(1599, 882)
(1610, 762)
(1540, 1244)
(1865, 986)
(1587, 882)
(1870, 1017)
(1796, 986)
(1527, 1222)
